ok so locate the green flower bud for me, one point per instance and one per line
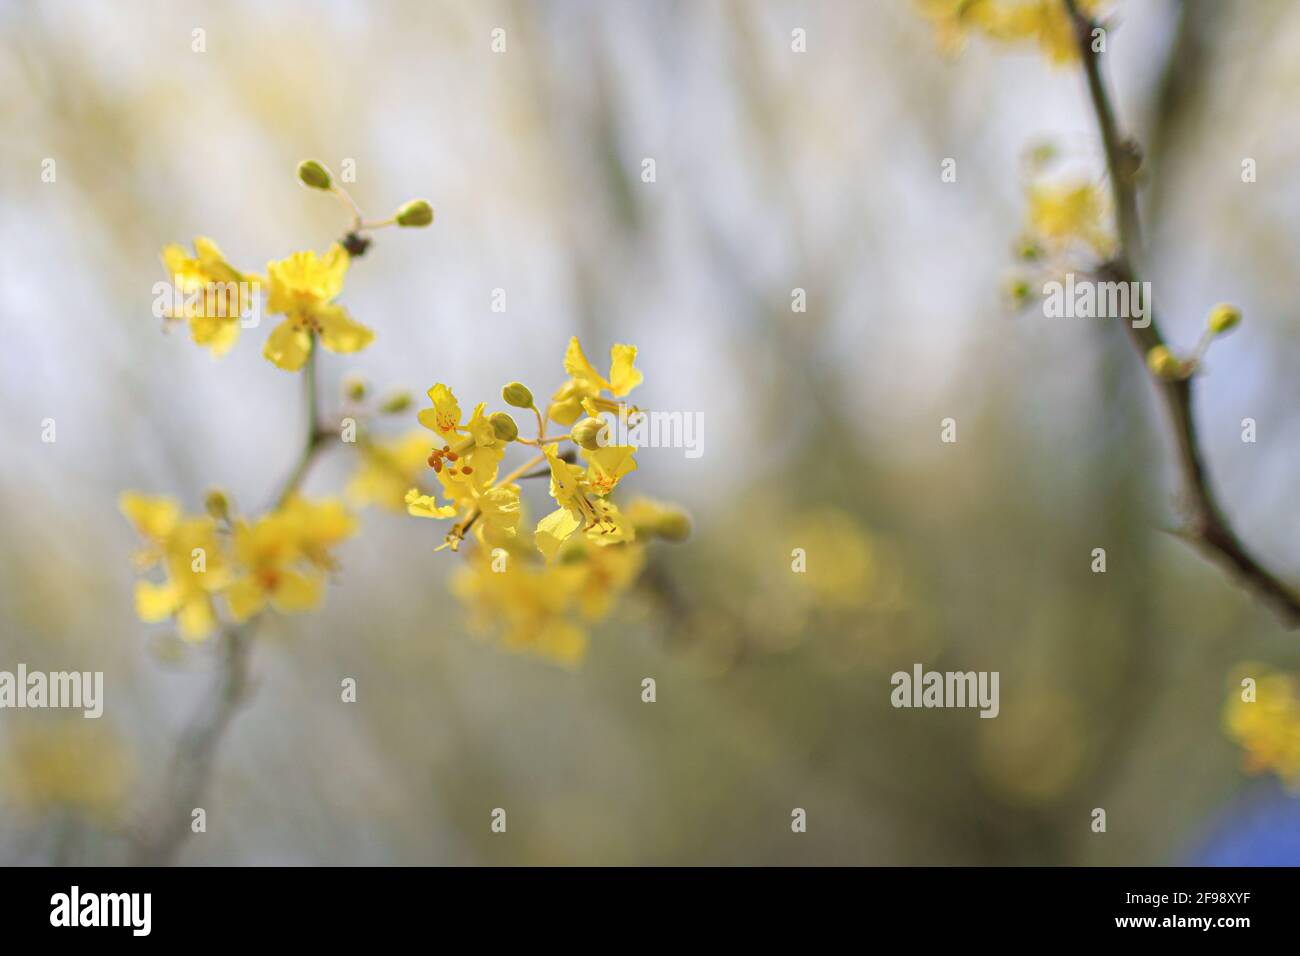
(587, 433)
(1164, 364)
(504, 426)
(417, 212)
(354, 388)
(217, 504)
(517, 395)
(1223, 317)
(313, 174)
(396, 403)
(673, 526)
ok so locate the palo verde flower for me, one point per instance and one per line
(283, 556)
(1266, 726)
(1044, 22)
(268, 553)
(66, 766)
(586, 383)
(1063, 213)
(545, 608)
(302, 289)
(387, 469)
(321, 527)
(598, 517)
(191, 555)
(216, 294)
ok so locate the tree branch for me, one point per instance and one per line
(196, 751)
(1208, 529)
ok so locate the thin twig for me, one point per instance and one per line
(196, 752)
(1208, 528)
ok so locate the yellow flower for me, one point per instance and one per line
(269, 551)
(387, 469)
(68, 765)
(542, 609)
(1062, 213)
(598, 518)
(320, 527)
(1045, 22)
(651, 518)
(1268, 727)
(216, 293)
(191, 554)
(444, 417)
(586, 383)
(303, 289)
(605, 466)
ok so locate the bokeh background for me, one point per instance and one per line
(775, 171)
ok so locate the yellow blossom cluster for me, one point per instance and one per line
(69, 766)
(215, 296)
(583, 552)
(279, 559)
(1263, 717)
(1045, 23)
(540, 593)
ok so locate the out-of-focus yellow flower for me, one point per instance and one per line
(68, 765)
(650, 518)
(387, 469)
(268, 553)
(302, 289)
(321, 526)
(545, 608)
(284, 555)
(1044, 22)
(1067, 212)
(216, 293)
(1267, 727)
(191, 554)
(586, 383)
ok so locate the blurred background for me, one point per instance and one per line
(774, 171)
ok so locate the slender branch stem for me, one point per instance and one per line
(314, 438)
(1208, 528)
(195, 757)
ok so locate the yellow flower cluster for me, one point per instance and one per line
(1064, 213)
(588, 547)
(1042, 22)
(279, 559)
(70, 766)
(1266, 723)
(583, 552)
(302, 288)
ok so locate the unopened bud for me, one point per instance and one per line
(354, 388)
(1223, 317)
(313, 174)
(517, 395)
(587, 433)
(417, 212)
(504, 426)
(395, 403)
(1164, 364)
(216, 504)
(673, 525)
